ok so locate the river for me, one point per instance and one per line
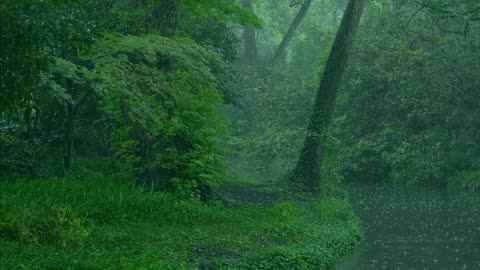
(415, 228)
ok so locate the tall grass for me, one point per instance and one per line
(101, 220)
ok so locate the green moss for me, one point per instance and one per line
(106, 223)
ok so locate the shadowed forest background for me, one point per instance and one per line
(219, 134)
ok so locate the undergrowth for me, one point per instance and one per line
(466, 180)
(92, 220)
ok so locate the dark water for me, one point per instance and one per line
(415, 229)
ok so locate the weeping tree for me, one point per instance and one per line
(307, 171)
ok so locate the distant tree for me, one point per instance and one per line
(291, 31)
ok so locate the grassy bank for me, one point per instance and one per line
(465, 180)
(103, 222)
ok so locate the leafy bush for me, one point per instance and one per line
(58, 225)
(160, 96)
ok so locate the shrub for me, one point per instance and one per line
(58, 225)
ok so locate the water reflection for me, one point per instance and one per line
(415, 229)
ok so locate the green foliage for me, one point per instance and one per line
(275, 105)
(214, 34)
(223, 10)
(409, 116)
(158, 99)
(312, 241)
(19, 155)
(163, 90)
(466, 180)
(138, 17)
(57, 225)
(408, 109)
(94, 220)
(32, 33)
(277, 108)
(149, 109)
(16, 155)
(139, 108)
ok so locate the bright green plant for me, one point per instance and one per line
(161, 96)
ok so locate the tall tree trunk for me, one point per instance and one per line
(250, 52)
(69, 127)
(291, 31)
(165, 15)
(307, 170)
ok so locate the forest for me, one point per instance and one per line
(240, 134)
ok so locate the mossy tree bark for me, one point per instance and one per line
(307, 171)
